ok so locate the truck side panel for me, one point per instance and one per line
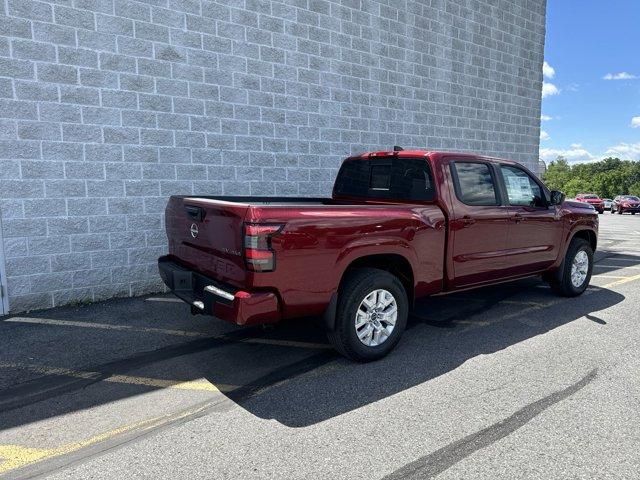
(318, 244)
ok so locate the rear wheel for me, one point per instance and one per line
(371, 315)
(575, 271)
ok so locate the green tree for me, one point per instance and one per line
(608, 177)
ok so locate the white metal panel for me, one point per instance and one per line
(4, 295)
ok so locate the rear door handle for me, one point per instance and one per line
(467, 221)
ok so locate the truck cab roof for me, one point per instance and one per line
(433, 154)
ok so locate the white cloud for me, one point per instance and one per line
(544, 135)
(547, 70)
(619, 76)
(635, 122)
(625, 151)
(549, 89)
(576, 153)
(545, 118)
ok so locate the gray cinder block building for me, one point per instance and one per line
(109, 106)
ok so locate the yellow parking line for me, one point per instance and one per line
(620, 282)
(286, 343)
(104, 326)
(164, 331)
(615, 258)
(164, 299)
(479, 300)
(196, 385)
(598, 275)
(525, 303)
(621, 267)
(17, 456)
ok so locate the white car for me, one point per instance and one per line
(607, 203)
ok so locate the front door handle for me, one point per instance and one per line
(518, 218)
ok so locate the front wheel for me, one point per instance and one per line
(619, 211)
(371, 315)
(575, 272)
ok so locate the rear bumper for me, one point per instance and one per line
(211, 297)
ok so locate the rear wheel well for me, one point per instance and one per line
(395, 264)
(589, 236)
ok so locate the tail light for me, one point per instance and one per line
(258, 253)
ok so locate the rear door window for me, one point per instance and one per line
(474, 183)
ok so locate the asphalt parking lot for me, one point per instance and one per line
(504, 382)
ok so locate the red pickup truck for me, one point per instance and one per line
(400, 225)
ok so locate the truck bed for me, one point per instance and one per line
(269, 201)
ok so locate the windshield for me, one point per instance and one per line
(632, 198)
(594, 197)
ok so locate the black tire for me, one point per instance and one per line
(633, 213)
(619, 212)
(354, 289)
(561, 282)
(612, 210)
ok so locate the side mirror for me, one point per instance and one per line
(557, 197)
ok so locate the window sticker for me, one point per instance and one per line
(519, 189)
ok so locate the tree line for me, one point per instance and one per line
(608, 178)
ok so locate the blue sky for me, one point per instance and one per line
(591, 97)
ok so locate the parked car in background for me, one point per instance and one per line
(400, 225)
(625, 203)
(592, 199)
(607, 203)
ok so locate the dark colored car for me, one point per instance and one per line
(625, 203)
(592, 199)
(400, 225)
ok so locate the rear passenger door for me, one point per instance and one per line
(478, 225)
(535, 229)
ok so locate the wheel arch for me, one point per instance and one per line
(587, 234)
(394, 263)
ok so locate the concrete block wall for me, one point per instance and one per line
(107, 107)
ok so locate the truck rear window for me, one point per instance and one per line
(387, 177)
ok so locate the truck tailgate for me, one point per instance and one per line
(207, 235)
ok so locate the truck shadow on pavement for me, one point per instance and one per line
(428, 350)
(295, 386)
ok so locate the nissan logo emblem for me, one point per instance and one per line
(194, 230)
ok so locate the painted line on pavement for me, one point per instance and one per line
(33, 462)
(616, 258)
(620, 282)
(18, 456)
(165, 300)
(164, 331)
(599, 275)
(195, 385)
(620, 267)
